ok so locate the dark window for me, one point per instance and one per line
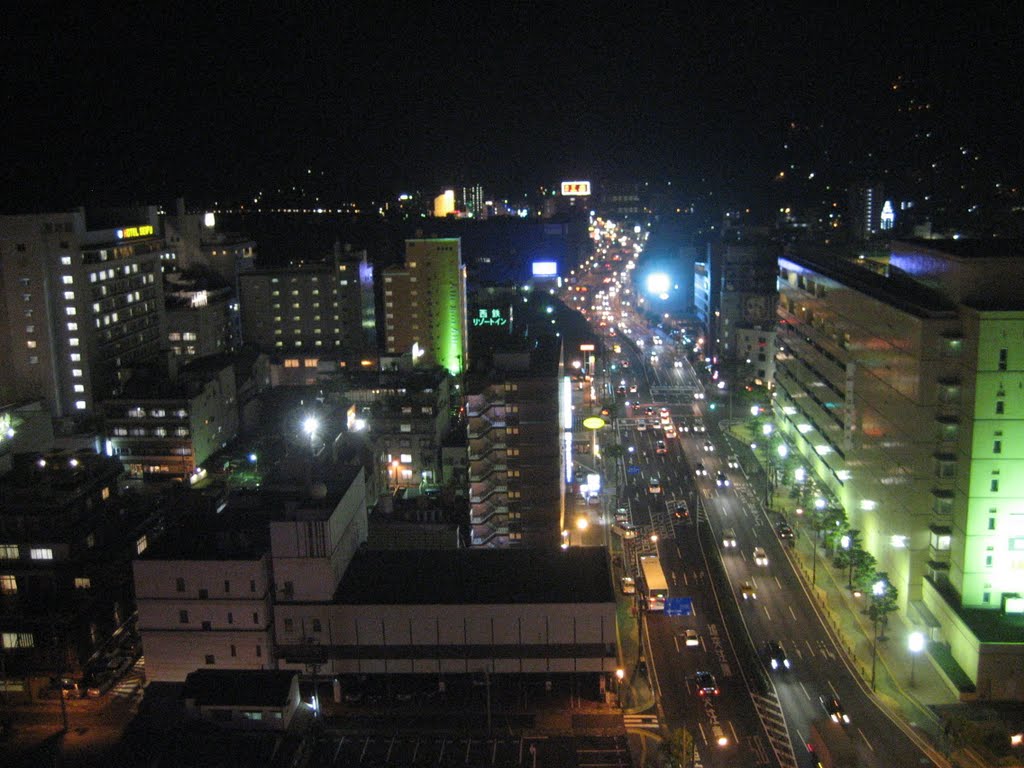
(995, 486)
(231, 618)
(1002, 359)
(255, 617)
(210, 659)
(179, 584)
(234, 651)
(204, 594)
(999, 406)
(991, 523)
(316, 625)
(183, 617)
(289, 625)
(252, 585)
(207, 626)
(997, 446)
(259, 651)
(227, 585)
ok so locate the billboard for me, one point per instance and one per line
(545, 268)
(575, 188)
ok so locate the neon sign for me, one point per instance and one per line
(128, 232)
(576, 188)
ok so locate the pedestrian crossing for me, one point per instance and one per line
(641, 721)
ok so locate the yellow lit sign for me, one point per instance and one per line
(593, 422)
(576, 188)
(128, 232)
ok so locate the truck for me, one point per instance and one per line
(831, 746)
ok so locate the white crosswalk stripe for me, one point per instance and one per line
(641, 721)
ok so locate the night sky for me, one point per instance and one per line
(218, 101)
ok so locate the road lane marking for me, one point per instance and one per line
(865, 739)
(802, 688)
(767, 614)
(792, 613)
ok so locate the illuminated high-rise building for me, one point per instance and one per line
(899, 382)
(425, 304)
(82, 304)
(444, 204)
(473, 200)
(866, 203)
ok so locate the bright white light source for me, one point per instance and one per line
(658, 283)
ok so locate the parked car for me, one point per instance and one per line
(628, 585)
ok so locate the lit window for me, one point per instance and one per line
(41, 553)
(12, 640)
(8, 584)
(66, 262)
(406, 458)
(141, 544)
(69, 295)
(70, 311)
(79, 388)
(67, 279)
(73, 341)
(9, 552)
(31, 344)
(83, 582)
(80, 405)
(72, 326)
(76, 372)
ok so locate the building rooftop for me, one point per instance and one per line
(239, 687)
(477, 576)
(227, 536)
(989, 248)
(894, 288)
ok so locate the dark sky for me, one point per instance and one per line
(214, 99)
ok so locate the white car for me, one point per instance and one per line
(709, 447)
(692, 638)
(733, 462)
(760, 556)
(729, 539)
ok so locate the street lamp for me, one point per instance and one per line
(915, 644)
(620, 674)
(395, 465)
(310, 426)
(845, 542)
(877, 589)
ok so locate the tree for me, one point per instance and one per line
(679, 749)
(884, 599)
(845, 556)
(863, 571)
(612, 454)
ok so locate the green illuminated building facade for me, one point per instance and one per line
(900, 381)
(425, 305)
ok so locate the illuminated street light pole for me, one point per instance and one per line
(877, 589)
(915, 644)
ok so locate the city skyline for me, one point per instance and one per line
(149, 107)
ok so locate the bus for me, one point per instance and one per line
(655, 585)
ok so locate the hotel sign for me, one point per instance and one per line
(575, 188)
(146, 230)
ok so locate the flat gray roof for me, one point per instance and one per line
(477, 577)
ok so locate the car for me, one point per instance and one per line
(665, 414)
(706, 685)
(760, 556)
(641, 425)
(654, 486)
(721, 480)
(683, 425)
(785, 532)
(649, 410)
(729, 539)
(700, 470)
(660, 447)
(748, 591)
(692, 638)
(632, 389)
(670, 431)
(682, 510)
(835, 710)
(620, 390)
(776, 655)
(698, 425)
(733, 462)
(625, 530)
(621, 515)
(628, 585)
(709, 447)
